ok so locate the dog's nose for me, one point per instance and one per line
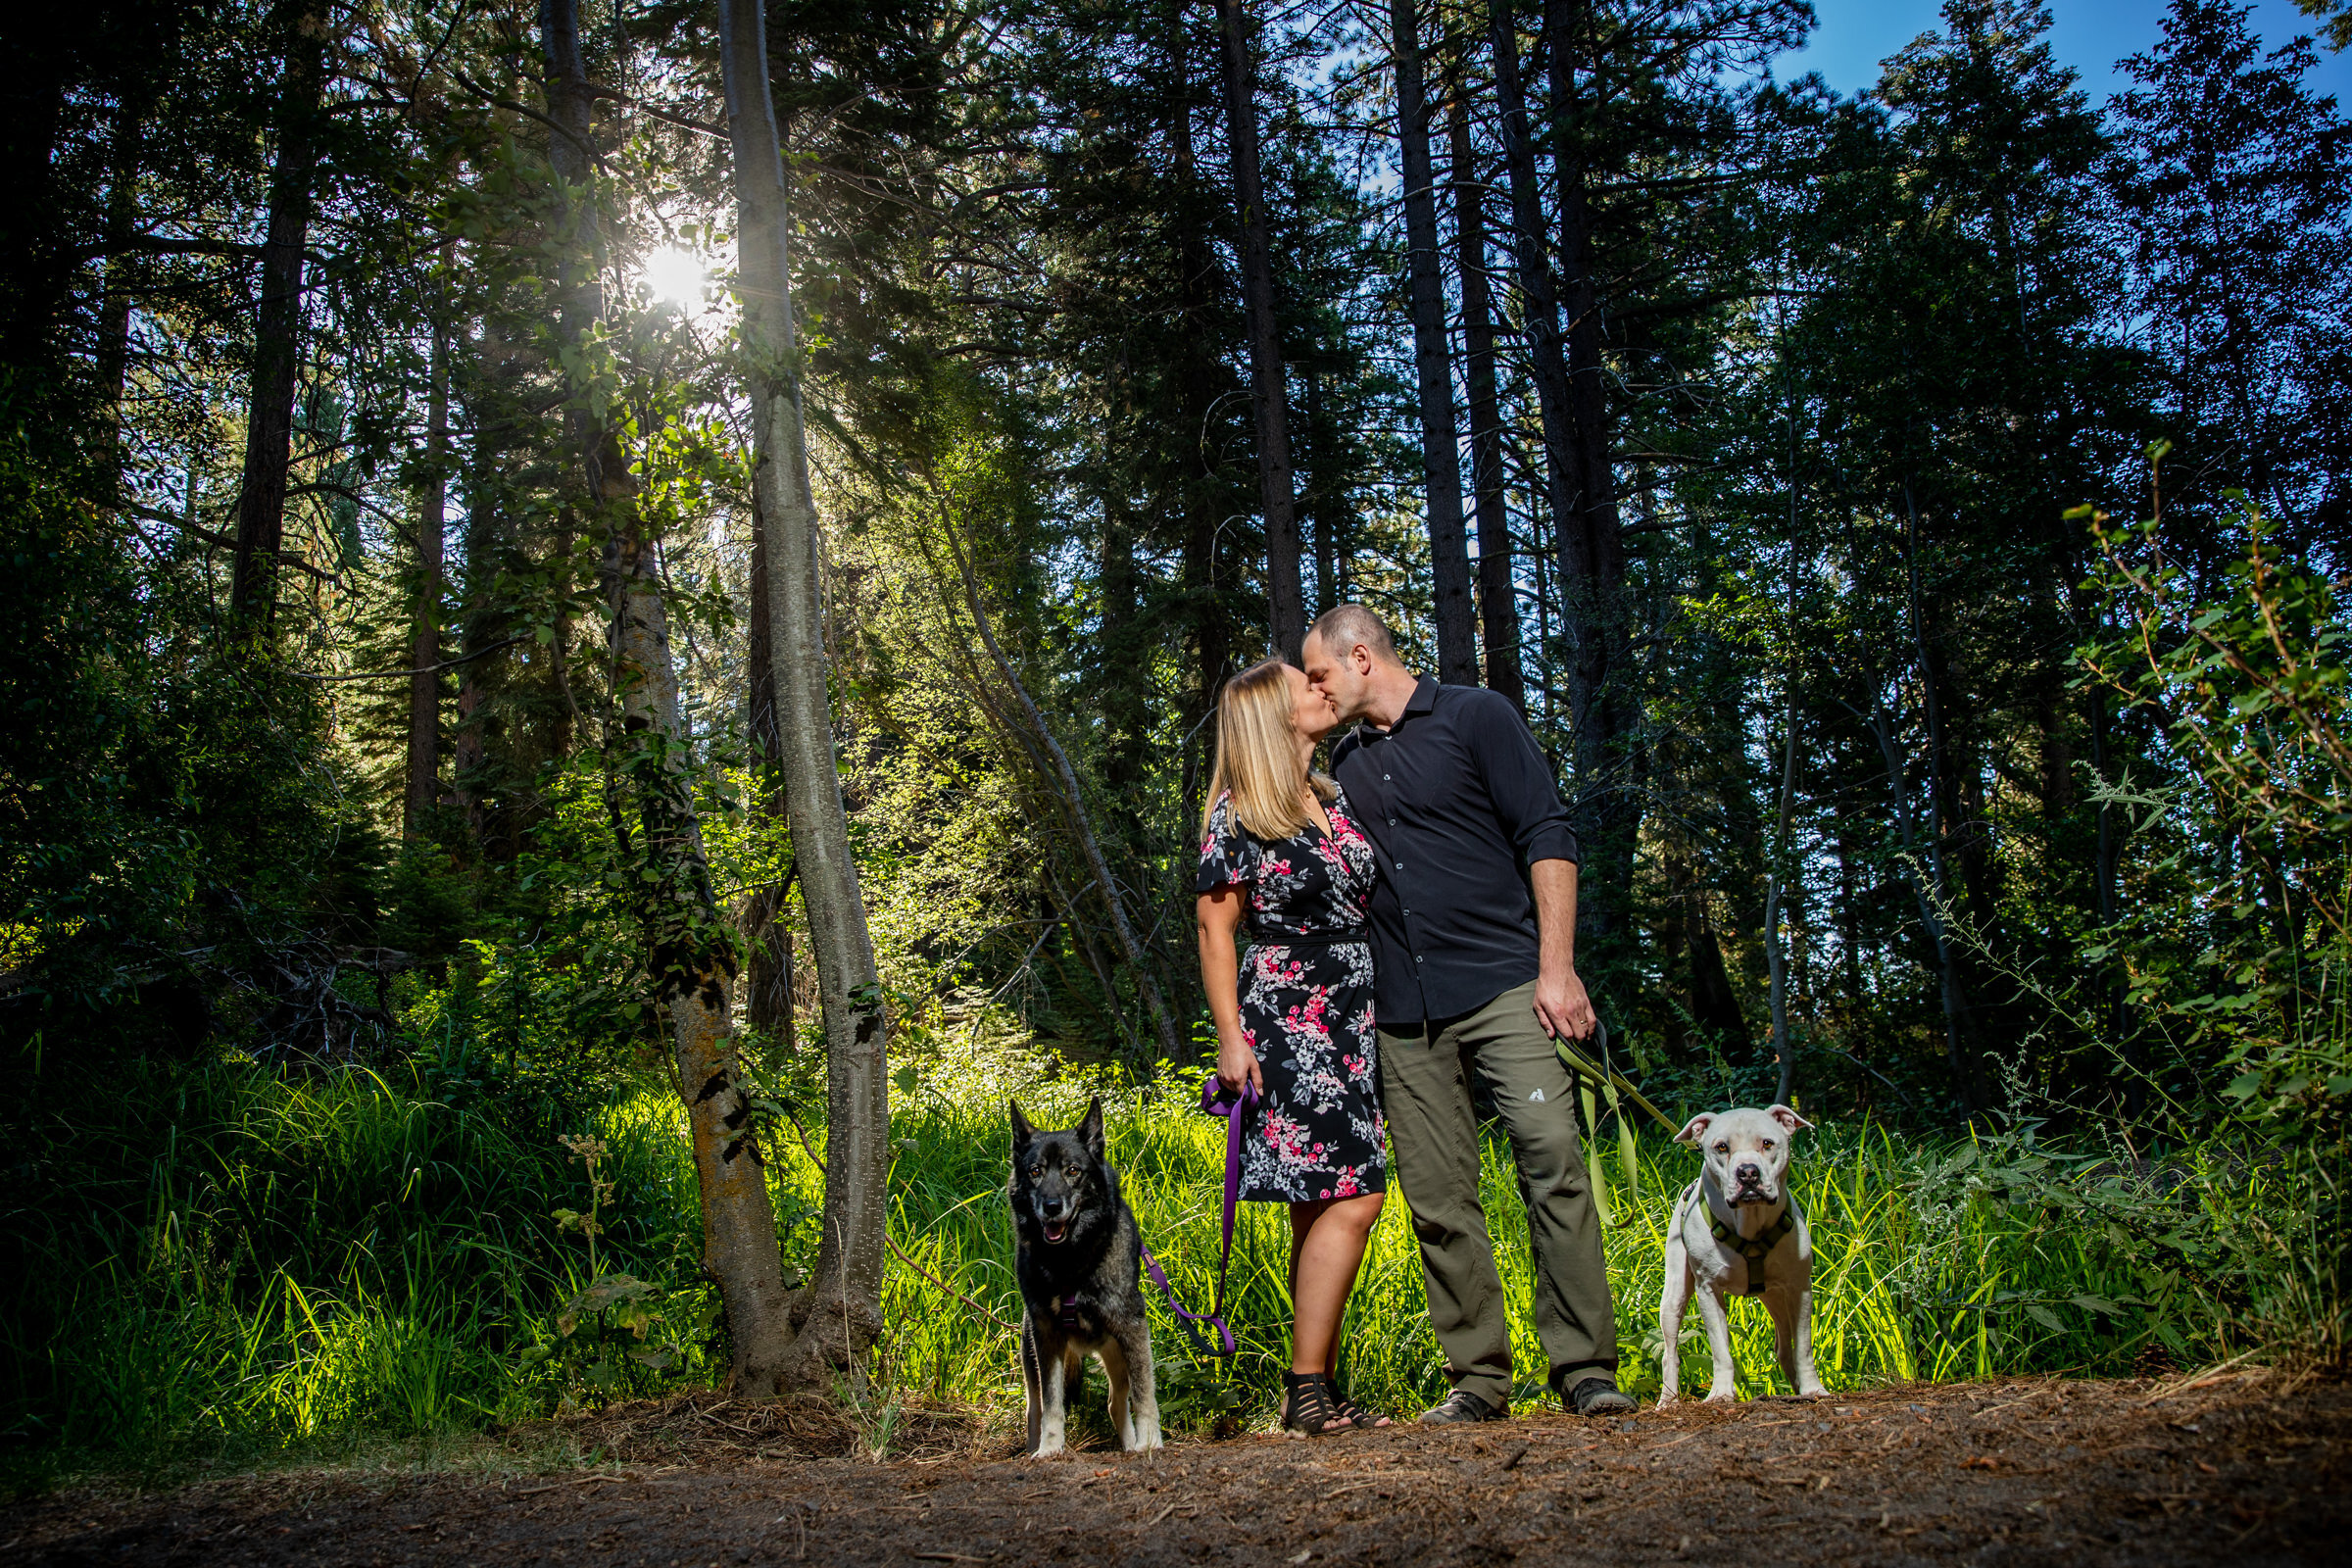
(1750, 1175)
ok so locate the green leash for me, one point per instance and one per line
(1593, 1083)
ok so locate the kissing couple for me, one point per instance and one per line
(1410, 922)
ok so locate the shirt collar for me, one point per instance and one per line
(1423, 700)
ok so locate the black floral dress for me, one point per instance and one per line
(1307, 1005)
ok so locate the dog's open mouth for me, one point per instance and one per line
(1055, 1231)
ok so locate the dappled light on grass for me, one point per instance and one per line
(300, 1259)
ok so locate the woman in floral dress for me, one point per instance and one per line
(1282, 863)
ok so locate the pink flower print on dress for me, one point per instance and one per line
(1347, 1187)
(1280, 971)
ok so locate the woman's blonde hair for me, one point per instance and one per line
(1255, 764)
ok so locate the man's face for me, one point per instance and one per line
(1343, 678)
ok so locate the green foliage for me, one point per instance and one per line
(294, 1259)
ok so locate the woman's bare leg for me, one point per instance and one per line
(1327, 1247)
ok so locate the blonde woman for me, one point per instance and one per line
(1282, 863)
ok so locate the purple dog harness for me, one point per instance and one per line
(1216, 1100)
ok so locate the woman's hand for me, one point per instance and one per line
(1237, 1063)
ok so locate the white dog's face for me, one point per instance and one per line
(1747, 1150)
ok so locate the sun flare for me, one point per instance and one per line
(674, 274)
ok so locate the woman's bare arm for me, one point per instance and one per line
(1218, 914)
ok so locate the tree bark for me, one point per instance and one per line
(1208, 628)
(1775, 954)
(690, 957)
(1285, 605)
(1498, 586)
(841, 1309)
(767, 932)
(1593, 589)
(1331, 576)
(277, 324)
(1547, 361)
(1440, 453)
(1955, 994)
(424, 681)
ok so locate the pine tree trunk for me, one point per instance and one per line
(1285, 605)
(1498, 587)
(1331, 576)
(1956, 1021)
(690, 955)
(1776, 956)
(1441, 455)
(1548, 361)
(1207, 630)
(424, 652)
(277, 324)
(1593, 590)
(767, 933)
(841, 1309)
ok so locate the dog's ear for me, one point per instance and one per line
(1696, 1128)
(1022, 1132)
(1091, 1129)
(1787, 1117)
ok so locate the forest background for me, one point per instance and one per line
(564, 644)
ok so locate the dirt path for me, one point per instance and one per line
(2083, 1473)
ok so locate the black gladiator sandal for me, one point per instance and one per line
(1310, 1407)
(1355, 1414)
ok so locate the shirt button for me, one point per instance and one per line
(1383, 779)
(1400, 866)
(1416, 958)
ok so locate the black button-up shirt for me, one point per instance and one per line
(1459, 803)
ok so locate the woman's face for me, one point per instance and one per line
(1311, 712)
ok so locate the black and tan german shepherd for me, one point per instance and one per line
(1079, 1264)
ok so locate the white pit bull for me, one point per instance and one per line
(1738, 1230)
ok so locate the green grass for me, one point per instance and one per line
(1909, 1282)
(246, 1263)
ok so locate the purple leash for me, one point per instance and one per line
(1216, 1100)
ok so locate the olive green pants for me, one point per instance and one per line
(1425, 1090)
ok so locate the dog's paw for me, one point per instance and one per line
(1145, 1442)
(1722, 1397)
(1043, 1452)
(1668, 1399)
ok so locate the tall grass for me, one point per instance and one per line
(239, 1260)
(1919, 1270)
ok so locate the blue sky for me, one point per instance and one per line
(2090, 35)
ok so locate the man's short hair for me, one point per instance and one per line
(1342, 626)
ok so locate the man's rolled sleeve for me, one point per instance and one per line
(1519, 782)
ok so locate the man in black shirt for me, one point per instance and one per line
(1474, 971)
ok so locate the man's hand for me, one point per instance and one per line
(1561, 1006)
